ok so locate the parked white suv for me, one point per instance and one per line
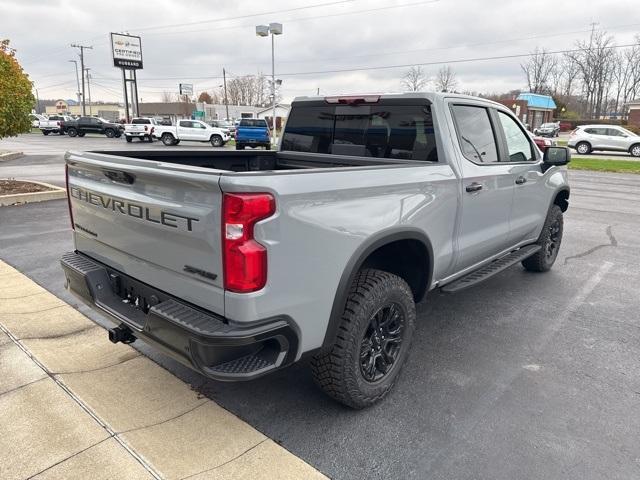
(588, 138)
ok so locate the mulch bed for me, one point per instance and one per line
(12, 187)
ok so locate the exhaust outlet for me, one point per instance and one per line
(121, 333)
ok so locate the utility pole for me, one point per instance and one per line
(226, 102)
(82, 48)
(89, 91)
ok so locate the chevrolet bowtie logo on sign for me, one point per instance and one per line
(127, 51)
(168, 219)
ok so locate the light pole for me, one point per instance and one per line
(89, 91)
(264, 31)
(75, 62)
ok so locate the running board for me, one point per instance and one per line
(491, 269)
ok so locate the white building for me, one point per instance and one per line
(282, 112)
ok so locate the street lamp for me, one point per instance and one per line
(264, 31)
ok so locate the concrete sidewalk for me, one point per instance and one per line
(75, 405)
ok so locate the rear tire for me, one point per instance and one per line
(635, 150)
(45, 132)
(81, 134)
(72, 132)
(168, 139)
(550, 240)
(583, 148)
(128, 138)
(239, 146)
(363, 361)
(267, 147)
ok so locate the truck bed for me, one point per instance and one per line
(259, 160)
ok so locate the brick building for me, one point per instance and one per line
(533, 109)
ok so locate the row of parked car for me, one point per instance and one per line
(250, 132)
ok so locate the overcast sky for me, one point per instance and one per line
(333, 35)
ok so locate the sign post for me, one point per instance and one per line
(127, 55)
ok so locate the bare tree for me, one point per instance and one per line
(168, 97)
(595, 61)
(247, 90)
(626, 77)
(538, 70)
(414, 79)
(446, 79)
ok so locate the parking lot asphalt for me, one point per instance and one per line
(525, 376)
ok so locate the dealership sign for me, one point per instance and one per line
(127, 51)
(186, 89)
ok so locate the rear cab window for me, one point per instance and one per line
(381, 130)
(253, 122)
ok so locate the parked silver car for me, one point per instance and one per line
(588, 138)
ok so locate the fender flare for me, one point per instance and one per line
(564, 188)
(355, 263)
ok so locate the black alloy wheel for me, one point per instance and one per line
(382, 342)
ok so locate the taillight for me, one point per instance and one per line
(245, 260)
(152, 130)
(145, 128)
(58, 123)
(66, 180)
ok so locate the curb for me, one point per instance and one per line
(10, 156)
(56, 193)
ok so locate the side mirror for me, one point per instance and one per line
(556, 156)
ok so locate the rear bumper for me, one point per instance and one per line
(208, 343)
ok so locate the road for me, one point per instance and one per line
(525, 376)
(44, 159)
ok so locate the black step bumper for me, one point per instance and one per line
(205, 342)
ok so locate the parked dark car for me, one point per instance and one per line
(225, 125)
(548, 130)
(92, 125)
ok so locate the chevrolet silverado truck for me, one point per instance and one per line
(239, 263)
(192, 131)
(140, 128)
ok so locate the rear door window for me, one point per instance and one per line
(186, 124)
(475, 133)
(379, 131)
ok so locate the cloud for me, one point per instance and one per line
(314, 40)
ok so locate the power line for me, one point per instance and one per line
(252, 15)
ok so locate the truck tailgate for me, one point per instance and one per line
(157, 222)
(252, 133)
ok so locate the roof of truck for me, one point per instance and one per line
(406, 95)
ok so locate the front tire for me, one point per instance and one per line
(109, 133)
(363, 362)
(550, 240)
(583, 148)
(72, 132)
(216, 141)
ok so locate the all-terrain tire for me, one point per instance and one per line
(550, 240)
(128, 138)
(337, 368)
(72, 132)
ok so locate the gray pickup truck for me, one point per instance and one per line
(238, 263)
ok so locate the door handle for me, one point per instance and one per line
(474, 187)
(521, 180)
